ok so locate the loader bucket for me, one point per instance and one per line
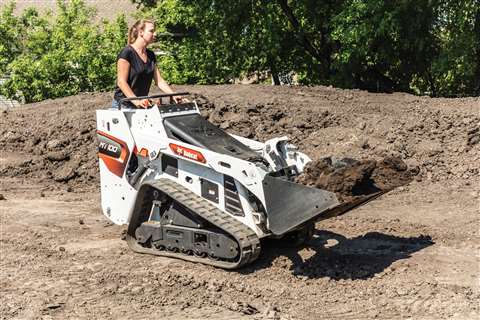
(290, 204)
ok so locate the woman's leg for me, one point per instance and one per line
(115, 104)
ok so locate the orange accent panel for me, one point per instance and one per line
(113, 165)
(116, 166)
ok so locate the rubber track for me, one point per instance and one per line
(249, 244)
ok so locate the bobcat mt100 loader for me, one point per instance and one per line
(187, 189)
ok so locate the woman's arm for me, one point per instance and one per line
(161, 83)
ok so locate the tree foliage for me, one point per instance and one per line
(419, 46)
(55, 56)
(456, 68)
(426, 46)
(384, 44)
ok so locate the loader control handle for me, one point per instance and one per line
(163, 95)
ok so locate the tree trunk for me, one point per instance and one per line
(431, 82)
(275, 78)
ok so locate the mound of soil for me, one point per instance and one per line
(54, 141)
(352, 179)
(437, 136)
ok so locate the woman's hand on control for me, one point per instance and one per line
(179, 99)
(144, 103)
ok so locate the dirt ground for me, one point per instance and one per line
(411, 254)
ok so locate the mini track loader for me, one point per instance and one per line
(187, 189)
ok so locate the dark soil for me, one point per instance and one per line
(57, 137)
(352, 179)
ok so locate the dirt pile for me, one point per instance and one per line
(352, 179)
(439, 136)
(54, 140)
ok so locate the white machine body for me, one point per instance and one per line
(151, 140)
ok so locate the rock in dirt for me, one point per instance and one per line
(245, 308)
(57, 156)
(2, 197)
(53, 144)
(64, 174)
(53, 306)
(473, 137)
(350, 179)
(34, 141)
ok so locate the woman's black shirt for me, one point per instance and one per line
(140, 74)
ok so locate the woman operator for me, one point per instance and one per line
(136, 67)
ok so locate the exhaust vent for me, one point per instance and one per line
(232, 199)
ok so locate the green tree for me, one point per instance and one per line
(456, 69)
(225, 40)
(9, 32)
(221, 40)
(384, 44)
(426, 46)
(65, 55)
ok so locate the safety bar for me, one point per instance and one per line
(152, 97)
